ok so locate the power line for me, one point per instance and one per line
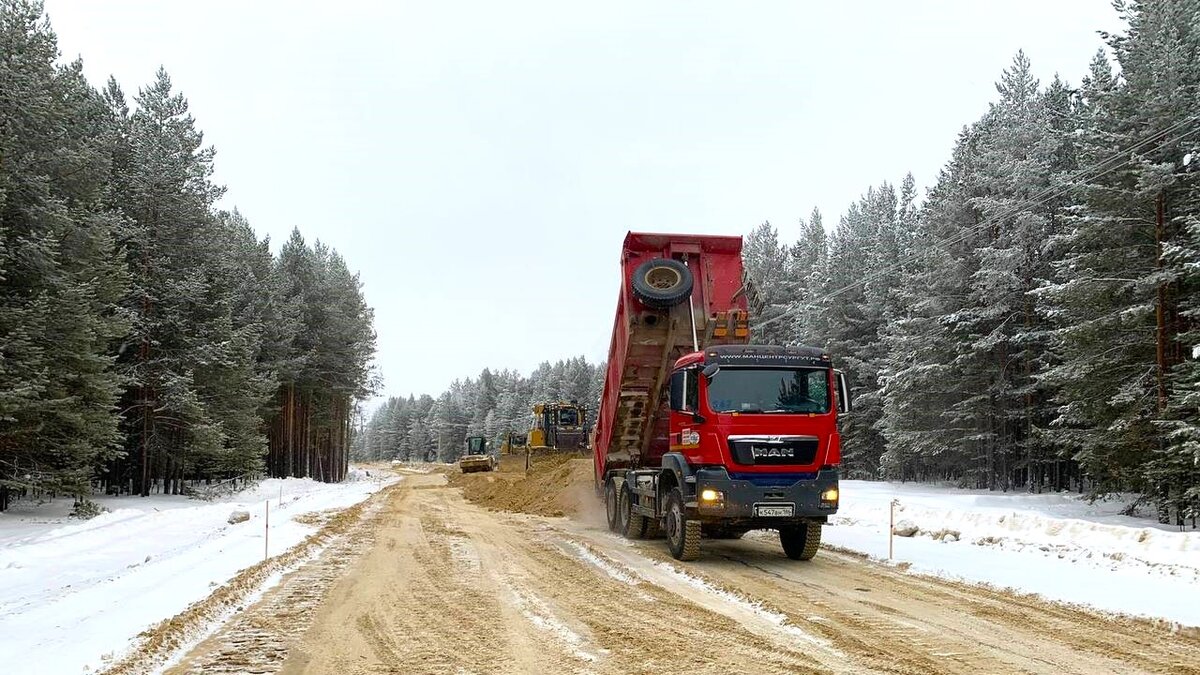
(1039, 199)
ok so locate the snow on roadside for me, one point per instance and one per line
(1056, 545)
(74, 593)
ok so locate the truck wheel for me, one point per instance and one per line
(633, 525)
(610, 504)
(662, 283)
(800, 542)
(683, 534)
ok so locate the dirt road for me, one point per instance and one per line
(445, 586)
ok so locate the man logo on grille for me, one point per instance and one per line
(760, 451)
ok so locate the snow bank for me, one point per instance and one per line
(73, 593)
(1056, 545)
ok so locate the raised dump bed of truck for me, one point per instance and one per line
(697, 299)
(698, 433)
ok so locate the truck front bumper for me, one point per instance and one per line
(750, 497)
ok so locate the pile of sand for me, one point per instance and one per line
(557, 485)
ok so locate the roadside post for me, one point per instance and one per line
(266, 528)
(891, 525)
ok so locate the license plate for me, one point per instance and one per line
(775, 510)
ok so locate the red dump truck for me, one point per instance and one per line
(700, 434)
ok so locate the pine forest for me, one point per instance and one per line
(1031, 322)
(149, 340)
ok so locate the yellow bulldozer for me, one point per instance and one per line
(558, 426)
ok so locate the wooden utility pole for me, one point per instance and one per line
(1160, 308)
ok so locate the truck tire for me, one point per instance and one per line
(653, 528)
(801, 541)
(683, 534)
(633, 525)
(662, 283)
(610, 504)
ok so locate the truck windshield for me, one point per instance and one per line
(770, 390)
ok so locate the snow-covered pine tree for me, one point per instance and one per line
(766, 268)
(807, 277)
(919, 382)
(855, 305)
(1002, 343)
(168, 198)
(60, 274)
(1120, 294)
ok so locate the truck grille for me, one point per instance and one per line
(774, 450)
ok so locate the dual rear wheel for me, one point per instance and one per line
(632, 525)
(618, 508)
(610, 505)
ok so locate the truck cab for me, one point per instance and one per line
(753, 444)
(753, 438)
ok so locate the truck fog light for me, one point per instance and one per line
(711, 497)
(830, 495)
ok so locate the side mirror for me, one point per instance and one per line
(710, 370)
(843, 393)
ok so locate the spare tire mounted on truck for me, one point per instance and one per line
(662, 283)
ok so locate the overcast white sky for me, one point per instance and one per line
(479, 163)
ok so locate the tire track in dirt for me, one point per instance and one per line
(449, 587)
(894, 622)
(415, 604)
(156, 647)
(648, 629)
(593, 619)
(257, 641)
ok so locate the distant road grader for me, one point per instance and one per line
(477, 457)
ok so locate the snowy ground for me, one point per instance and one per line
(1056, 545)
(74, 592)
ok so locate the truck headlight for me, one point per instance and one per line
(830, 495)
(711, 497)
